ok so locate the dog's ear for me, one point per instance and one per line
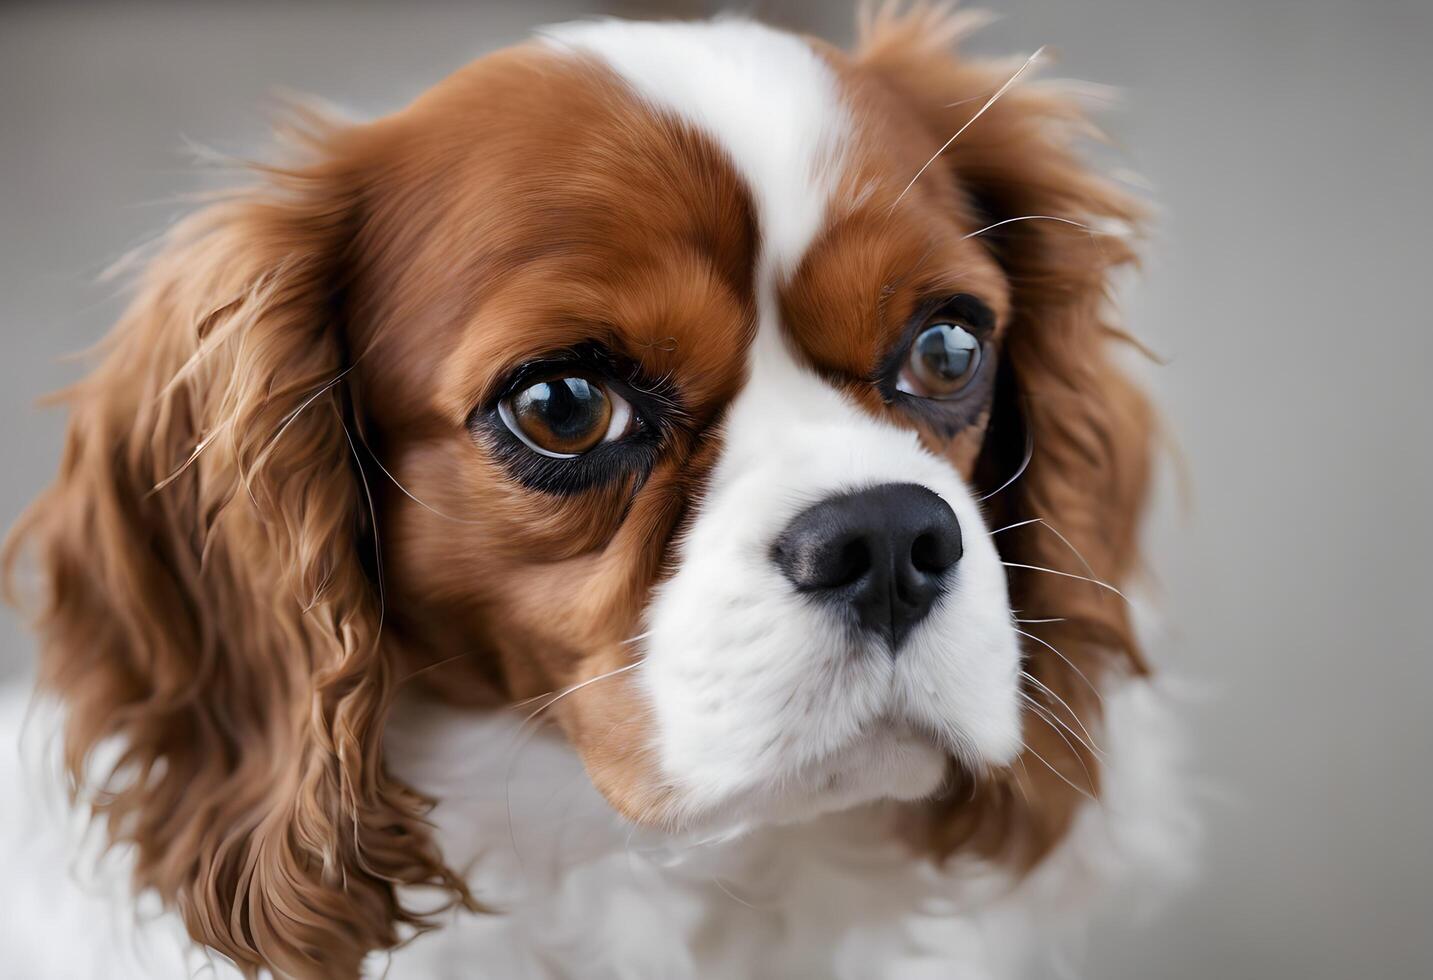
(1069, 444)
(210, 601)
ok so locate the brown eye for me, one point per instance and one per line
(565, 417)
(944, 358)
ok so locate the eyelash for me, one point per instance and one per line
(653, 403)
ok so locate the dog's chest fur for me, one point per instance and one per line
(578, 893)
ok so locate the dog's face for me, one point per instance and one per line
(678, 377)
(701, 407)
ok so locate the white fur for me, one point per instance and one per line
(766, 709)
(766, 706)
(584, 894)
(67, 910)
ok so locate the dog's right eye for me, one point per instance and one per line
(566, 416)
(575, 419)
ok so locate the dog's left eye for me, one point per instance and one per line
(564, 417)
(943, 359)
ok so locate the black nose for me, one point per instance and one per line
(882, 553)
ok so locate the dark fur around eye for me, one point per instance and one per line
(653, 402)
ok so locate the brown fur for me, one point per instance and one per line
(1090, 429)
(224, 629)
(220, 549)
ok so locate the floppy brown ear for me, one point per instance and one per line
(210, 599)
(1060, 231)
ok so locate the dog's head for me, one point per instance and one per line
(690, 377)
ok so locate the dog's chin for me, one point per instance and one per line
(894, 763)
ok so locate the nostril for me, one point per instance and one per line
(927, 554)
(850, 565)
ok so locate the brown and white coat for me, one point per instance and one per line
(307, 598)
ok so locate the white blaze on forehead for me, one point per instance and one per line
(765, 702)
(774, 107)
(762, 95)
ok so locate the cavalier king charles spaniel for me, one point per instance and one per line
(655, 506)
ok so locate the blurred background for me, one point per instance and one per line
(1289, 145)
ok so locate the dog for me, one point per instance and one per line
(656, 506)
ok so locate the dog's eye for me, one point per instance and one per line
(943, 360)
(566, 416)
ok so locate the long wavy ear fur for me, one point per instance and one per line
(209, 600)
(1085, 427)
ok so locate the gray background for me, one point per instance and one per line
(1288, 144)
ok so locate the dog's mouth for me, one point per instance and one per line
(889, 760)
(894, 759)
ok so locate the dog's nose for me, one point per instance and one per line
(883, 553)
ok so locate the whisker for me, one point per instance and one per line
(1089, 776)
(373, 519)
(1020, 783)
(1011, 527)
(1063, 540)
(289, 419)
(536, 697)
(729, 894)
(1088, 741)
(1048, 619)
(1063, 778)
(434, 666)
(524, 734)
(1068, 662)
(577, 687)
(1082, 578)
(382, 591)
(553, 694)
(559, 695)
(1031, 217)
(1024, 465)
(1050, 718)
(404, 490)
(980, 112)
